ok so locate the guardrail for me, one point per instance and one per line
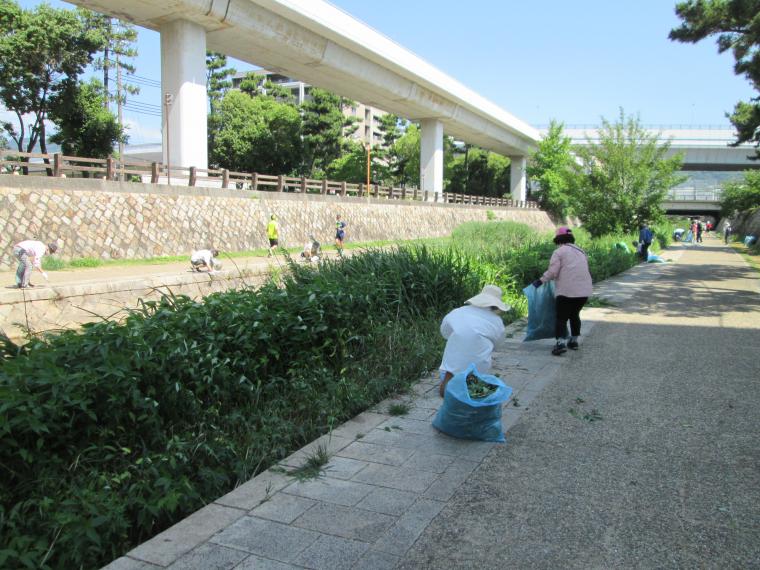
(59, 165)
(695, 194)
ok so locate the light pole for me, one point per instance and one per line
(368, 167)
(168, 100)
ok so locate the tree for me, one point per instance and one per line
(479, 172)
(85, 127)
(737, 25)
(741, 196)
(323, 129)
(258, 85)
(256, 134)
(218, 75)
(550, 167)
(407, 152)
(42, 52)
(621, 181)
(351, 166)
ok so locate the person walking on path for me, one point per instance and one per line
(700, 229)
(340, 234)
(29, 254)
(273, 234)
(694, 229)
(726, 232)
(568, 267)
(204, 258)
(472, 332)
(645, 239)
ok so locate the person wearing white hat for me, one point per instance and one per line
(472, 332)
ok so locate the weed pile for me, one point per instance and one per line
(115, 432)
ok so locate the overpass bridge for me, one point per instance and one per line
(326, 47)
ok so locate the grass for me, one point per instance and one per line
(314, 465)
(750, 254)
(599, 302)
(398, 409)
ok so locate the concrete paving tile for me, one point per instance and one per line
(343, 467)
(425, 461)
(412, 480)
(395, 438)
(402, 535)
(376, 560)
(125, 563)
(408, 425)
(209, 556)
(422, 414)
(330, 490)
(168, 546)
(331, 443)
(331, 553)
(432, 401)
(449, 481)
(347, 522)
(259, 563)
(462, 448)
(250, 494)
(388, 501)
(376, 453)
(362, 423)
(266, 538)
(283, 508)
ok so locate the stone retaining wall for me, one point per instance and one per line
(113, 220)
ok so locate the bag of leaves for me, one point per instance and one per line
(472, 406)
(542, 312)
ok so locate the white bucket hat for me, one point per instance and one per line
(489, 297)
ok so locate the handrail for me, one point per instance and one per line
(58, 165)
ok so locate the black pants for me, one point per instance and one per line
(644, 252)
(569, 308)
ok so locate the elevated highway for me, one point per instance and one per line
(324, 46)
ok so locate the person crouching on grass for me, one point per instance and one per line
(205, 258)
(568, 267)
(472, 332)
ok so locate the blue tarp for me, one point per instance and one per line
(750, 240)
(542, 312)
(467, 418)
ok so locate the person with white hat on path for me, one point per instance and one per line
(29, 254)
(472, 332)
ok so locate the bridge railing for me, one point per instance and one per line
(59, 165)
(695, 194)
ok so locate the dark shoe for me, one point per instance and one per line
(572, 345)
(559, 349)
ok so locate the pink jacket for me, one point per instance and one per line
(569, 267)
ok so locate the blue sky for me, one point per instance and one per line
(541, 60)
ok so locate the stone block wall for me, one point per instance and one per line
(113, 220)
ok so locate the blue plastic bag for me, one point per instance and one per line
(750, 240)
(542, 312)
(652, 258)
(467, 418)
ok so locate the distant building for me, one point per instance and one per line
(368, 118)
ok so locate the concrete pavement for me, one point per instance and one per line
(638, 451)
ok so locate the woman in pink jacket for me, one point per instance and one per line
(568, 268)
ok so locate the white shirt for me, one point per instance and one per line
(203, 255)
(34, 249)
(472, 333)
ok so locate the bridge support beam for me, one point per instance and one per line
(517, 178)
(431, 157)
(183, 79)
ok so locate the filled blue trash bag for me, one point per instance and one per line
(542, 312)
(652, 258)
(689, 237)
(750, 240)
(467, 418)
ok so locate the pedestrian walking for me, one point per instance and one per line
(568, 268)
(340, 234)
(472, 332)
(726, 232)
(645, 239)
(273, 234)
(700, 229)
(29, 254)
(205, 258)
(694, 227)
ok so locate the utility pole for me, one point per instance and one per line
(168, 99)
(368, 166)
(121, 118)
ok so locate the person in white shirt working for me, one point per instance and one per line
(205, 258)
(29, 254)
(472, 332)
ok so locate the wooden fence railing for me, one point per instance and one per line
(60, 165)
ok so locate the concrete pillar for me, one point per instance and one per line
(431, 157)
(183, 77)
(517, 179)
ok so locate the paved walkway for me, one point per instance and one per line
(666, 476)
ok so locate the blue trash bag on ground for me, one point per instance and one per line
(689, 237)
(652, 258)
(542, 312)
(750, 240)
(472, 418)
